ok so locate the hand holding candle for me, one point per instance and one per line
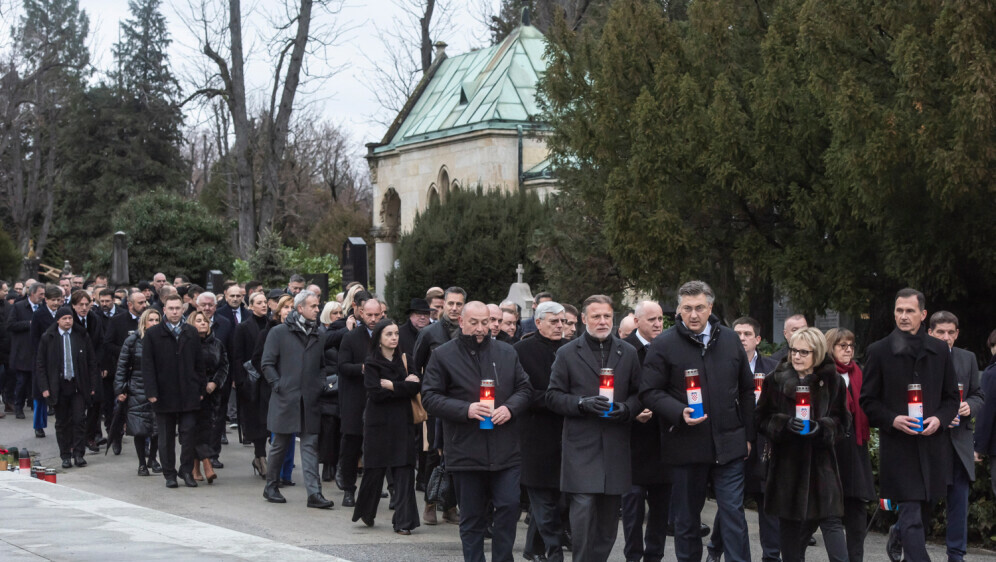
(694, 392)
(802, 408)
(606, 387)
(914, 397)
(758, 383)
(488, 400)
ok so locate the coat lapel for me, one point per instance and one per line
(587, 355)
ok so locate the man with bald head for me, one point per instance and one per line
(494, 319)
(485, 463)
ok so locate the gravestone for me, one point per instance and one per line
(520, 294)
(214, 281)
(354, 262)
(320, 279)
(119, 260)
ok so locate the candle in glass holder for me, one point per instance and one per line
(606, 387)
(802, 407)
(961, 393)
(758, 382)
(914, 395)
(694, 391)
(488, 399)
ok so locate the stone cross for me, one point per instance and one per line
(519, 271)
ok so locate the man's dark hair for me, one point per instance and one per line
(227, 285)
(600, 299)
(173, 297)
(8, 283)
(53, 292)
(79, 295)
(359, 298)
(754, 324)
(571, 309)
(909, 292)
(943, 317)
(296, 278)
(696, 288)
(182, 290)
(183, 278)
(194, 290)
(450, 290)
(252, 285)
(541, 296)
(376, 332)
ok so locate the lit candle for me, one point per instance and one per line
(694, 391)
(914, 395)
(802, 407)
(961, 393)
(758, 382)
(488, 399)
(606, 387)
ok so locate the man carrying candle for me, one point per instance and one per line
(596, 466)
(944, 326)
(484, 463)
(914, 461)
(708, 447)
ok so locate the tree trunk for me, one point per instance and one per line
(426, 47)
(240, 122)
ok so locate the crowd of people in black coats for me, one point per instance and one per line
(571, 415)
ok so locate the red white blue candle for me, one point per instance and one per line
(606, 387)
(488, 399)
(914, 394)
(803, 407)
(693, 388)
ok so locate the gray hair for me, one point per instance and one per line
(303, 296)
(206, 296)
(638, 311)
(696, 288)
(548, 307)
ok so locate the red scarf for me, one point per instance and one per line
(853, 372)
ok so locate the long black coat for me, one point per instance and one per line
(596, 453)
(41, 321)
(967, 371)
(407, 336)
(128, 380)
(645, 438)
(803, 482)
(22, 356)
(388, 422)
(431, 337)
(541, 429)
(911, 467)
(756, 472)
(263, 391)
(452, 383)
(293, 364)
(727, 394)
(352, 394)
(50, 359)
(116, 331)
(330, 402)
(173, 369)
(251, 414)
(215, 360)
(985, 427)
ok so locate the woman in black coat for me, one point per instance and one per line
(985, 425)
(262, 406)
(328, 435)
(246, 390)
(389, 431)
(803, 487)
(128, 385)
(216, 369)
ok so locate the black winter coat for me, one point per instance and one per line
(116, 331)
(387, 423)
(128, 380)
(803, 480)
(22, 356)
(452, 383)
(407, 336)
(41, 321)
(727, 394)
(352, 394)
(540, 428)
(911, 467)
(49, 364)
(645, 438)
(431, 337)
(985, 424)
(330, 402)
(215, 360)
(261, 397)
(173, 368)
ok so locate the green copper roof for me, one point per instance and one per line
(489, 88)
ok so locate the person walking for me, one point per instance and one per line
(216, 371)
(247, 391)
(985, 424)
(129, 385)
(281, 311)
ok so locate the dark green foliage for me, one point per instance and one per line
(10, 258)
(474, 240)
(269, 262)
(168, 233)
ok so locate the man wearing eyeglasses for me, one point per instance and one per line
(914, 458)
(714, 446)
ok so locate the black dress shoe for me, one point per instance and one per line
(188, 480)
(215, 463)
(143, 470)
(339, 482)
(383, 495)
(67, 463)
(348, 500)
(79, 461)
(116, 447)
(39, 433)
(283, 483)
(318, 501)
(273, 495)
(893, 545)
(155, 467)
(224, 441)
(811, 541)
(713, 557)
(171, 483)
(405, 532)
(93, 446)
(704, 530)
(102, 441)
(19, 413)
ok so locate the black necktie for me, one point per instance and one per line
(699, 337)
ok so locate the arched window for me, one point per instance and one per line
(433, 196)
(443, 182)
(390, 212)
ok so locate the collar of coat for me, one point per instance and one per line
(902, 343)
(584, 351)
(823, 375)
(687, 334)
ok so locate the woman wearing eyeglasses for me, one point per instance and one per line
(803, 486)
(852, 450)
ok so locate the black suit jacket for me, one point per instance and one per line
(115, 334)
(50, 360)
(353, 353)
(228, 313)
(19, 327)
(173, 369)
(645, 438)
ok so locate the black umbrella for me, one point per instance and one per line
(115, 432)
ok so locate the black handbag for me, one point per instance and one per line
(440, 487)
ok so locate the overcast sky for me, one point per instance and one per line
(343, 98)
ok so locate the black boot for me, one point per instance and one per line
(327, 472)
(272, 494)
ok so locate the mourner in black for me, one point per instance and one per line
(129, 386)
(22, 357)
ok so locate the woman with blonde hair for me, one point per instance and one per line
(216, 369)
(128, 385)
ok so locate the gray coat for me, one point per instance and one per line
(596, 451)
(967, 371)
(293, 363)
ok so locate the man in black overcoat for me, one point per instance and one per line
(353, 353)
(418, 319)
(914, 464)
(41, 320)
(650, 496)
(541, 433)
(175, 383)
(711, 447)
(22, 359)
(596, 466)
(68, 381)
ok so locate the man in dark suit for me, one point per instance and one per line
(418, 318)
(175, 383)
(40, 321)
(87, 320)
(233, 309)
(105, 300)
(528, 325)
(651, 477)
(22, 359)
(749, 331)
(596, 466)
(944, 326)
(222, 328)
(119, 327)
(353, 395)
(66, 370)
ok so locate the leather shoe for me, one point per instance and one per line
(102, 441)
(318, 501)
(155, 467)
(224, 441)
(348, 500)
(405, 532)
(429, 514)
(811, 541)
(451, 516)
(339, 482)
(19, 413)
(272, 494)
(93, 446)
(713, 557)
(704, 530)
(79, 461)
(188, 480)
(143, 470)
(283, 483)
(215, 463)
(171, 483)
(67, 463)
(39, 433)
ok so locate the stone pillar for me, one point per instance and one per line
(119, 261)
(384, 264)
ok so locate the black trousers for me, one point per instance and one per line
(16, 387)
(475, 491)
(594, 524)
(855, 528)
(911, 531)
(349, 453)
(70, 421)
(224, 393)
(167, 424)
(328, 440)
(368, 498)
(795, 536)
(206, 432)
(140, 442)
(649, 503)
(544, 506)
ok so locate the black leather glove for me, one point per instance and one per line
(593, 405)
(619, 412)
(797, 425)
